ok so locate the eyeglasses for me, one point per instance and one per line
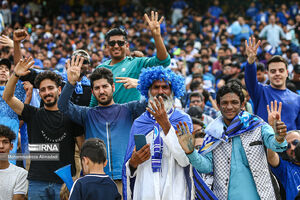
(196, 101)
(120, 43)
(294, 142)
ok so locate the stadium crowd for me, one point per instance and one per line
(214, 94)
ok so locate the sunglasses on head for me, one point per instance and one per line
(120, 43)
(294, 142)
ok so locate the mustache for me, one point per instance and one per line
(165, 97)
(49, 95)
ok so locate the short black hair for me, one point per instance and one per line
(277, 59)
(196, 94)
(260, 67)
(48, 75)
(100, 73)
(115, 31)
(231, 88)
(195, 111)
(194, 85)
(197, 75)
(94, 149)
(7, 133)
(197, 121)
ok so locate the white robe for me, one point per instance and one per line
(170, 182)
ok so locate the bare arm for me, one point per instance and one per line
(213, 102)
(28, 87)
(19, 35)
(154, 25)
(273, 158)
(8, 94)
(80, 141)
(18, 197)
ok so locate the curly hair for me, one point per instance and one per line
(48, 75)
(149, 75)
(232, 87)
(7, 133)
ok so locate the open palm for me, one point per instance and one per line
(154, 23)
(251, 49)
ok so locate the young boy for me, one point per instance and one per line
(95, 184)
(13, 179)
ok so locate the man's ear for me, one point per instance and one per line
(104, 164)
(243, 104)
(12, 145)
(113, 87)
(59, 90)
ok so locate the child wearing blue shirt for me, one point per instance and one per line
(95, 185)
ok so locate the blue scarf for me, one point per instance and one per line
(215, 133)
(78, 89)
(144, 125)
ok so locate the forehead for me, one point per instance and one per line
(194, 97)
(116, 37)
(3, 138)
(47, 83)
(101, 82)
(158, 83)
(292, 136)
(3, 66)
(276, 65)
(230, 97)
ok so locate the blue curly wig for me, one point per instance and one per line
(151, 74)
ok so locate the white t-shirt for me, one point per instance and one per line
(13, 180)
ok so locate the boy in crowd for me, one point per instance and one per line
(13, 184)
(95, 184)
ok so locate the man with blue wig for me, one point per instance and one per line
(160, 169)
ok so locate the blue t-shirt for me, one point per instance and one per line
(262, 95)
(94, 187)
(289, 175)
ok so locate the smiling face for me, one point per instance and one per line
(49, 93)
(117, 47)
(230, 106)
(292, 138)
(277, 74)
(103, 91)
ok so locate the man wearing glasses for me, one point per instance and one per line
(125, 66)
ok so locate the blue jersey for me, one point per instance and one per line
(94, 187)
(289, 175)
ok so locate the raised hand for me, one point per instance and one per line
(23, 65)
(140, 156)
(73, 69)
(185, 139)
(19, 35)
(160, 114)
(154, 23)
(137, 54)
(28, 87)
(6, 41)
(128, 82)
(251, 49)
(274, 119)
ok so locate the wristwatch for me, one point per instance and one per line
(16, 75)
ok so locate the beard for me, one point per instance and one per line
(168, 101)
(107, 101)
(50, 104)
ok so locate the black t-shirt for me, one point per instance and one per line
(49, 127)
